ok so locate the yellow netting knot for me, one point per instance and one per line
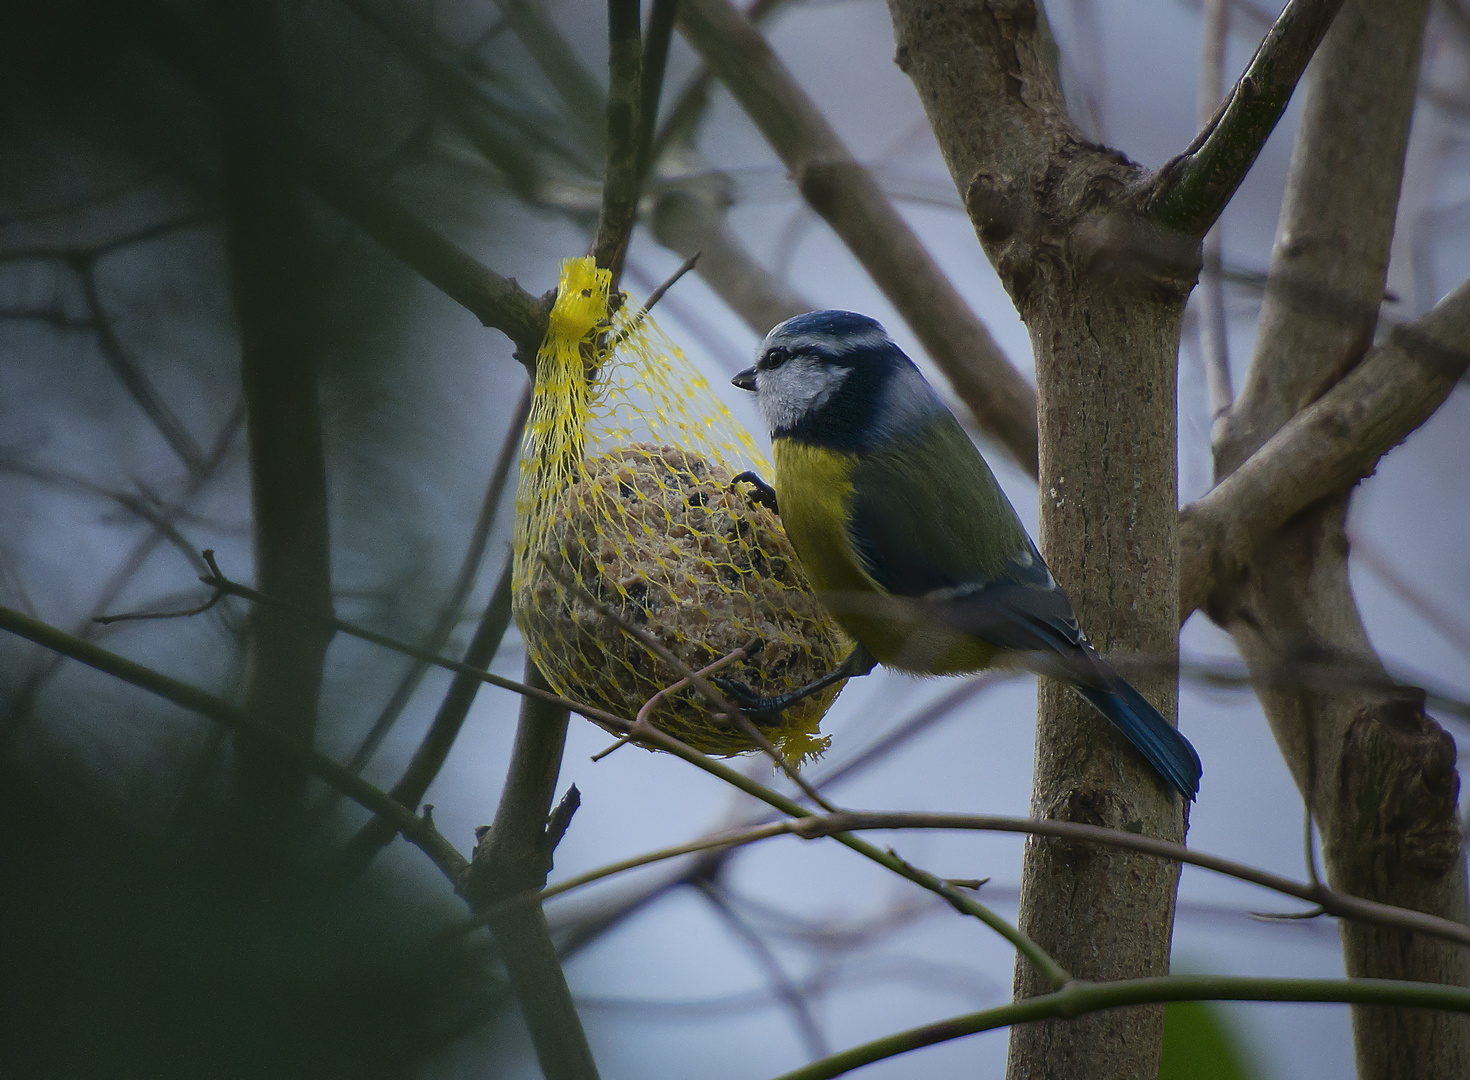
(581, 303)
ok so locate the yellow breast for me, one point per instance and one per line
(814, 490)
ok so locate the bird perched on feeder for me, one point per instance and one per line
(907, 537)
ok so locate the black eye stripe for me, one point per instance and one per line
(774, 358)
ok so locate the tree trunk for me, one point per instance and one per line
(1378, 774)
(270, 262)
(1102, 293)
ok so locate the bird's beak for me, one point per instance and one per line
(745, 380)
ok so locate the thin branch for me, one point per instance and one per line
(1331, 901)
(1190, 191)
(496, 301)
(1079, 998)
(434, 748)
(785, 991)
(850, 200)
(622, 175)
(706, 688)
(515, 853)
(1214, 341)
(1325, 448)
(669, 282)
(419, 831)
(449, 612)
(655, 61)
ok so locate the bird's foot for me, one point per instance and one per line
(764, 494)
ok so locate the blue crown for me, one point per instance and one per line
(831, 324)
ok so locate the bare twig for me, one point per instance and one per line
(1330, 901)
(433, 749)
(1326, 447)
(846, 195)
(496, 301)
(514, 854)
(1211, 292)
(706, 688)
(669, 282)
(419, 831)
(622, 175)
(449, 612)
(1190, 192)
(641, 722)
(178, 613)
(1080, 997)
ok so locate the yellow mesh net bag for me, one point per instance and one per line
(627, 490)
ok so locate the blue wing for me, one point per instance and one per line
(934, 553)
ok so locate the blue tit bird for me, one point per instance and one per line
(906, 536)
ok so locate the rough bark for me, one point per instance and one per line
(1324, 449)
(1102, 294)
(1378, 774)
(513, 856)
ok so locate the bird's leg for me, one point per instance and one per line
(767, 709)
(765, 495)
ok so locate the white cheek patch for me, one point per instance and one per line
(796, 388)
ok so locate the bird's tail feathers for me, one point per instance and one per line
(1166, 750)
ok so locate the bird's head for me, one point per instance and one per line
(836, 377)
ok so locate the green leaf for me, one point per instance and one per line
(1200, 1044)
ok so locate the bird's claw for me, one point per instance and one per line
(756, 706)
(764, 494)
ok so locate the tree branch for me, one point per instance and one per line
(514, 854)
(496, 301)
(1376, 772)
(1330, 901)
(849, 199)
(1190, 191)
(1325, 449)
(1080, 998)
(272, 256)
(622, 175)
(419, 831)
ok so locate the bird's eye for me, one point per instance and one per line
(774, 358)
